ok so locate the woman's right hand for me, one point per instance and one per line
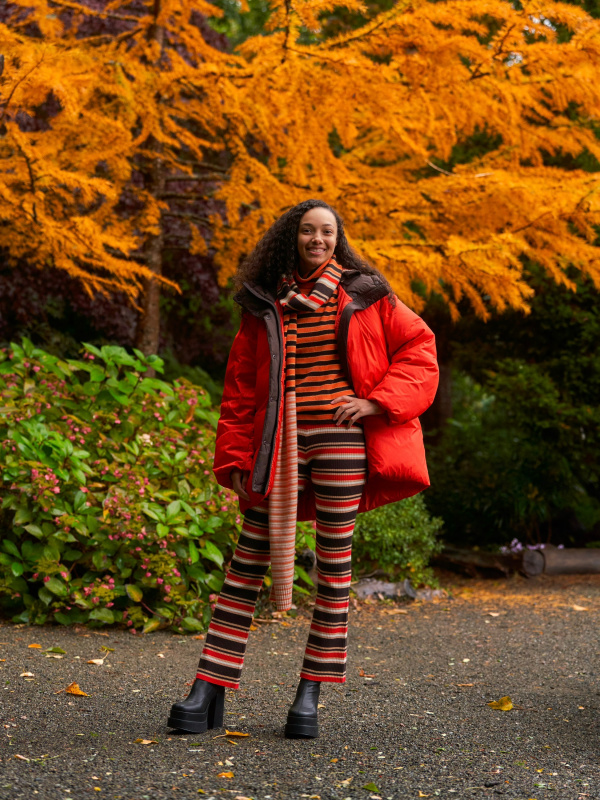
(239, 480)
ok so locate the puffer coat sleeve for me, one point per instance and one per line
(409, 385)
(235, 432)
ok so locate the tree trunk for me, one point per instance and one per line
(148, 328)
(552, 561)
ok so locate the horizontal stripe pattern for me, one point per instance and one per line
(313, 367)
(333, 461)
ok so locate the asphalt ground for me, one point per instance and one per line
(412, 721)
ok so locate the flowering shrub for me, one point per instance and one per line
(110, 512)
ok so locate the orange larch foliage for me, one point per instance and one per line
(366, 121)
(363, 121)
(83, 191)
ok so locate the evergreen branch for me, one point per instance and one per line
(16, 86)
(439, 169)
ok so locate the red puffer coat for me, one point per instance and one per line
(389, 355)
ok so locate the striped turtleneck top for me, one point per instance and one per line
(319, 377)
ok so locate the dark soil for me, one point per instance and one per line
(419, 727)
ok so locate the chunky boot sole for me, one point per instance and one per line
(199, 722)
(301, 727)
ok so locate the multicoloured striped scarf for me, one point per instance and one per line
(290, 296)
(283, 499)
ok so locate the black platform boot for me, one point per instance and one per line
(202, 709)
(302, 722)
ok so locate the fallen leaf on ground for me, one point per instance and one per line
(396, 611)
(253, 628)
(160, 655)
(333, 761)
(347, 781)
(145, 741)
(98, 661)
(37, 646)
(73, 688)
(321, 705)
(464, 684)
(201, 636)
(578, 608)
(370, 787)
(421, 794)
(56, 650)
(493, 613)
(53, 655)
(241, 797)
(105, 649)
(23, 758)
(27, 675)
(232, 742)
(225, 775)
(235, 733)
(363, 674)
(504, 704)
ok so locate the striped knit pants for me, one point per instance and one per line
(334, 461)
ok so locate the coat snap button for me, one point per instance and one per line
(273, 356)
(267, 316)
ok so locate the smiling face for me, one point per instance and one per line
(317, 237)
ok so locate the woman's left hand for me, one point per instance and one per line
(354, 408)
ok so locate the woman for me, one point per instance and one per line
(326, 378)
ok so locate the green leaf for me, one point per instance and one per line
(194, 554)
(45, 596)
(152, 625)
(215, 581)
(11, 547)
(34, 530)
(134, 592)
(99, 560)
(56, 650)
(173, 509)
(212, 553)
(17, 568)
(161, 529)
(370, 787)
(22, 515)
(56, 587)
(103, 615)
(80, 497)
(192, 624)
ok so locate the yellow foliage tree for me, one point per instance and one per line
(367, 120)
(135, 103)
(56, 205)
(371, 121)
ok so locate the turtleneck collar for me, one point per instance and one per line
(314, 276)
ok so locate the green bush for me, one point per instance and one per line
(110, 512)
(399, 538)
(518, 454)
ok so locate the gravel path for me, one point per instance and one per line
(419, 727)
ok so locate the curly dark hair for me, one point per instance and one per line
(276, 254)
